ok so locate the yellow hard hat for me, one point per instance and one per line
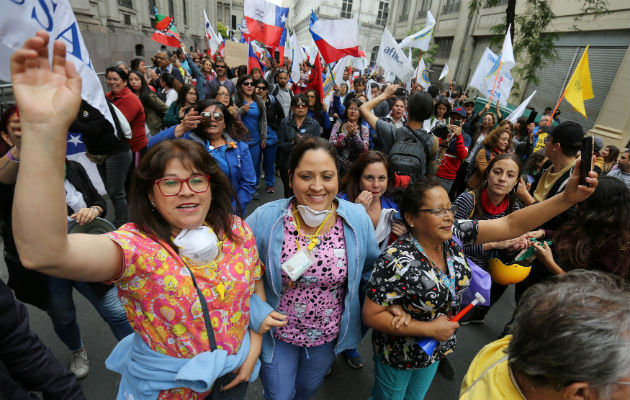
(507, 274)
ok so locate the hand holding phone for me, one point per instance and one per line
(586, 162)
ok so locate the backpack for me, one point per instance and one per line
(472, 166)
(410, 155)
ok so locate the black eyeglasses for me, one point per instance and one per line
(219, 66)
(248, 83)
(215, 116)
(173, 186)
(440, 212)
(261, 88)
(300, 105)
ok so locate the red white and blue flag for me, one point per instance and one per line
(252, 60)
(265, 20)
(335, 38)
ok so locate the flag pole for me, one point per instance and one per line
(556, 107)
(495, 80)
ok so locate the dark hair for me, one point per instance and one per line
(298, 98)
(143, 93)
(419, 106)
(317, 108)
(492, 139)
(135, 63)
(357, 103)
(310, 143)
(230, 126)
(167, 78)
(443, 101)
(241, 70)
(613, 154)
(602, 222)
(122, 74)
(183, 91)
(151, 168)
(350, 184)
(6, 114)
(433, 91)
(255, 69)
(478, 211)
(531, 165)
(412, 199)
(215, 91)
(569, 134)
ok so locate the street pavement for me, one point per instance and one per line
(343, 383)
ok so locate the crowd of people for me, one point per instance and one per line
(388, 199)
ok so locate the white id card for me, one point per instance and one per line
(297, 264)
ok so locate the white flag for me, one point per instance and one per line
(19, 22)
(392, 58)
(507, 54)
(518, 111)
(296, 58)
(421, 39)
(213, 40)
(422, 75)
(444, 72)
(486, 74)
(339, 68)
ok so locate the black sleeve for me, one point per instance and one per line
(28, 362)
(385, 135)
(77, 175)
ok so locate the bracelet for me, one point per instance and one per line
(98, 211)
(10, 155)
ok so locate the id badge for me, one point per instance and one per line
(297, 264)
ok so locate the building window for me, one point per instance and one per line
(444, 47)
(426, 6)
(171, 9)
(498, 3)
(223, 13)
(125, 3)
(452, 6)
(233, 27)
(346, 9)
(185, 12)
(152, 8)
(139, 50)
(127, 19)
(404, 11)
(383, 13)
(373, 55)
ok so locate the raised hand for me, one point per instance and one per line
(48, 96)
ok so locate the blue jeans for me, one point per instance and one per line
(113, 171)
(401, 384)
(295, 372)
(63, 314)
(269, 164)
(254, 152)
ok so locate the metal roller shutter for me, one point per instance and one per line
(604, 63)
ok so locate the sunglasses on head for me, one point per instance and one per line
(216, 116)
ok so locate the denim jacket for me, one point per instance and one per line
(240, 165)
(361, 251)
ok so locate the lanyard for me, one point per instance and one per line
(449, 282)
(314, 237)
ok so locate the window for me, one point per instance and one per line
(127, 19)
(404, 11)
(444, 47)
(125, 3)
(426, 6)
(233, 27)
(383, 13)
(152, 8)
(171, 9)
(373, 55)
(452, 6)
(223, 13)
(139, 50)
(346, 9)
(185, 12)
(498, 3)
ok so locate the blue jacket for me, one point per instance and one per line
(146, 372)
(361, 251)
(202, 85)
(240, 165)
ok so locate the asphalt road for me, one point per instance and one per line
(344, 383)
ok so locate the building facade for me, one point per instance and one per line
(116, 30)
(462, 37)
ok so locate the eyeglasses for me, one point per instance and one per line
(440, 212)
(215, 116)
(261, 88)
(219, 66)
(353, 109)
(173, 186)
(249, 83)
(310, 96)
(300, 105)
(223, 94)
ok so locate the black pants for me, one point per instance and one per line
(238, 392)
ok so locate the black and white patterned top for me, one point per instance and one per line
(404, 276)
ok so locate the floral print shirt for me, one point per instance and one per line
(349, 145)
(161, 301)
(404, 276)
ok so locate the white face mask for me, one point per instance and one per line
(199, 245)
(312, 217)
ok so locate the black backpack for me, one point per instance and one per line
(410, 153)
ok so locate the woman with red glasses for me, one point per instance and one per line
(211, 125)
(186, 268)
(293, 128)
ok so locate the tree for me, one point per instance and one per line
(222, 30)
(530, 36)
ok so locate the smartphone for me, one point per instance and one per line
(187, 110)
(532, 117)
(456, 123)
(586, 159)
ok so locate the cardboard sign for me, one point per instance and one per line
(236, 53)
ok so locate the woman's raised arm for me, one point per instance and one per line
(48, 98)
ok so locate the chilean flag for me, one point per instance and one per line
(335, 38)
(252, 60)
(283, 40)
(265, 20)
